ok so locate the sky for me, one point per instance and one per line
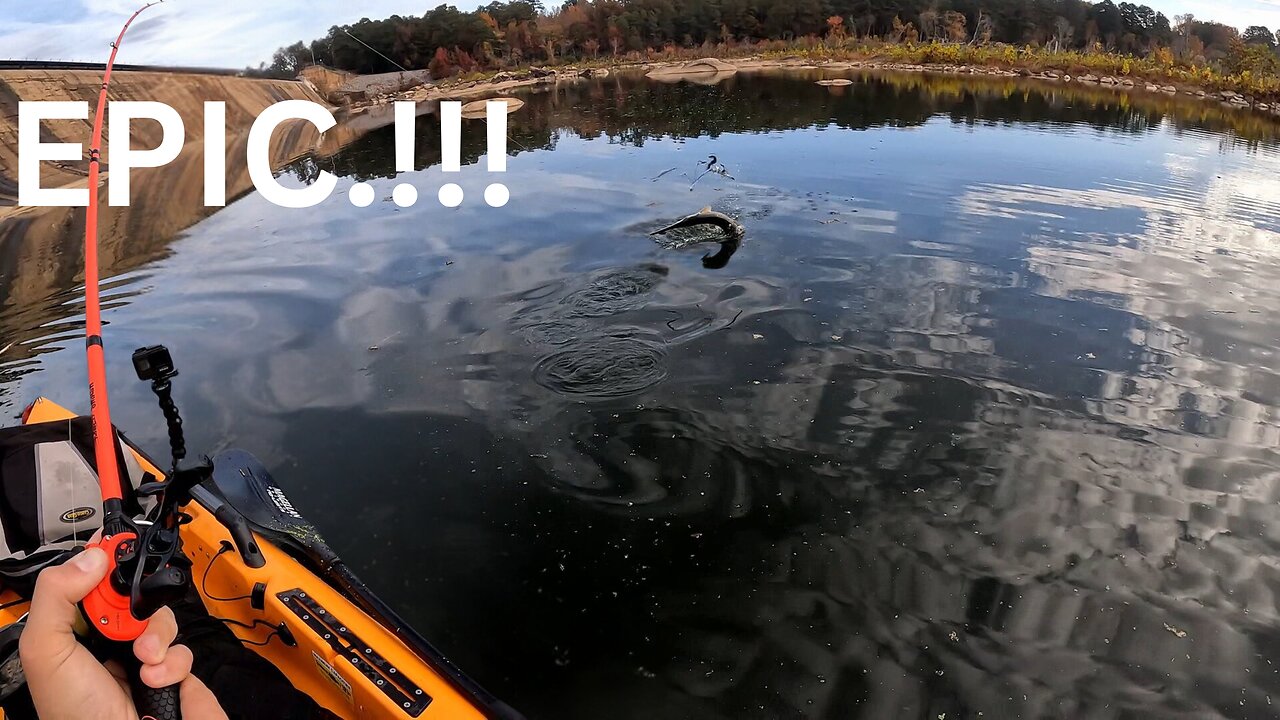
(239, 33)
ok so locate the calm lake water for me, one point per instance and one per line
(978, 420)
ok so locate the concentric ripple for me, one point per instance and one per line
(603, 367)
(615, 291)
(553, 332)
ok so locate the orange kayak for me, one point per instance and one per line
(258, 564)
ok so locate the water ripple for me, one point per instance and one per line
(604, 367)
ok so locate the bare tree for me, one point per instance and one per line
(929, 25)
(1063, 33)
(867, 23)
(982, 29)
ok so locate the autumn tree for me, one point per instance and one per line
(463, 61)
(835, 28)
(501, 34)
(897, 30)
(953, 24)
(440, 66)
(1256, 59)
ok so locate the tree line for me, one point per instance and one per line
(507, 34)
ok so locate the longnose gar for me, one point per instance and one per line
(707, 216)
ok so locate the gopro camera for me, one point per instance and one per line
(153, 363)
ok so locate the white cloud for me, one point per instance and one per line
(1240, 13)
(226, 33)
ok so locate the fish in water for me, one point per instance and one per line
(706, 216)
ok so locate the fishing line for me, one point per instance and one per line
(384, 57)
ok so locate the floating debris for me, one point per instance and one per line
(1175, 631)
(713, 167)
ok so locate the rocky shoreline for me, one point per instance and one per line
(1227, 97)
(712, 69)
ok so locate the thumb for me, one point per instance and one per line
(49, 637)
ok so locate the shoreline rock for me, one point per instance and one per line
(713, 70)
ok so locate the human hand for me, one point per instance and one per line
(68, 683)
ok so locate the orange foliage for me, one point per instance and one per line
(835, 27)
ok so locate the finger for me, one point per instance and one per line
(197, 702)
(49, 638)
(175, 668)
(162, 630)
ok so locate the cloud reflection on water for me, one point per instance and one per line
(990, 442)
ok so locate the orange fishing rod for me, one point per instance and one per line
(112, 608)
(104, 436)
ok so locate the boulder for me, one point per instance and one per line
(705, 66)
(479, 109)
(1169, 89)
(835, 81)
(1089, 78)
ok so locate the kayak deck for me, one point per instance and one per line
(343, 658)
